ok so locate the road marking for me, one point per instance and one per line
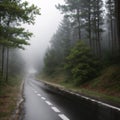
(92, 100)
(77, 94)
(110, 106)
(55, 109)
(85, 97)
(63, 117)
(35, 91)
(49, 103)
(39, 94)
(43, 98)
(99, 102)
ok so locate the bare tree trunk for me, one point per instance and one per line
(89, 20)
(117, 14)
(3, 58)
(79, 25)
(112, 36)
(98, 30)
(7, 64)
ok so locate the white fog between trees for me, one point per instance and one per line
(45, 26)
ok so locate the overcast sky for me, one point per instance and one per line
(45, 26)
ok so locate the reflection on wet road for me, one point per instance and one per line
(45, 103)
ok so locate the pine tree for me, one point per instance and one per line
(97, 22)
(12, 35)
(117, 15)
(73, 10)
(55, 57)
(112, 23)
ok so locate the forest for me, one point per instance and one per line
(87, 41)
(14, 13)
(84, 52)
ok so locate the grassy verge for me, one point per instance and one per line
(8, 97)
(106, 87)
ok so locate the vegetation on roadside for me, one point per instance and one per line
(85, 49)
(105, 87)
(9, 97)
(81, 64)
(13, 14)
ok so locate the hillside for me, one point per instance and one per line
(105, 87)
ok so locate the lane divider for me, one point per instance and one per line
(63, 117)
(49, 103)
(55, 109)
(35, 91)
(38, 94)
(43, 98)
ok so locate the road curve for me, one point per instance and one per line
(45, 103)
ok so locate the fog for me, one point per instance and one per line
(45, 26)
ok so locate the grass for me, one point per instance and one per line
(8, 97)
(105, 87)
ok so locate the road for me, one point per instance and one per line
(45, 103)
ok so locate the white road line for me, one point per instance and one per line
(39, 94)
(55, 109)
(85, 97)
(43, 98)
(49, 103)
(110, 106)
(99, 102)
(35, 91)
(92, 100)
(63, 117)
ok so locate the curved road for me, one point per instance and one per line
(44, 103)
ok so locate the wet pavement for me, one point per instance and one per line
(43, 102)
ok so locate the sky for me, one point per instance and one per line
(45, 26)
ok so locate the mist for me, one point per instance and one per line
(45, 26)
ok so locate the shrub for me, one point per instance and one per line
(82, 64)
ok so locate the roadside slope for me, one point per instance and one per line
(9, 96)
(105, 87)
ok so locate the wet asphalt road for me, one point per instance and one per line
(45, 103)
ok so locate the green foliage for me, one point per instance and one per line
(12, 14)
(60, 47)
(81, 64)
(51, 62)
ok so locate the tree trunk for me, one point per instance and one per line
(79, 25)
(89, 20)
(98, 30)
(117, 14)
(3, 58)
(7, 64)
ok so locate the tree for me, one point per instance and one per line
(81, 64)
(112, 23)
(72, 9)
(87, 7)
(117, 15)
(55, 57)
(12, 13)
(97, 18)
(87, 16)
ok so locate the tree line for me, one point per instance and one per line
(13, 13)
(88, 33)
